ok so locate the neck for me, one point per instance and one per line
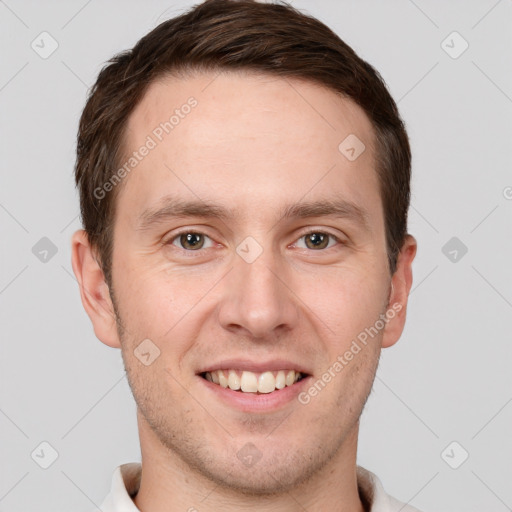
(169, 484)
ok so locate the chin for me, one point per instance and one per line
(265, 478)
(280, 467)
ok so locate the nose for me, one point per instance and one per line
(256, 300)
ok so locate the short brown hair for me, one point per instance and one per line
(222, 35)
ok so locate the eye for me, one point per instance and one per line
(317, 240)
(190, 240)
(193, 241)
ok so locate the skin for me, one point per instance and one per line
(252, 144)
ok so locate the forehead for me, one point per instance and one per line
(247, 102)
(244, 135)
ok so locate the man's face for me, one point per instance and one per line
(263, 289)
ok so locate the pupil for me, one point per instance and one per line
(317, 239)
(191, 239)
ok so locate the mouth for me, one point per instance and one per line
(245, 381)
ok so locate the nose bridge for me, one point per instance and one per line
(256, 299)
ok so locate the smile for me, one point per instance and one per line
(251, 382)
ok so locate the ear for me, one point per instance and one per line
(94, 291)
(401, 283)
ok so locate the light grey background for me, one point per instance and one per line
(448, 379)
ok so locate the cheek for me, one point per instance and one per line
(153, 300)
(165, 307)
(345, 301)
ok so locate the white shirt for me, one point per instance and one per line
(126, 481)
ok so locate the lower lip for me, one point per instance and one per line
(253, 402)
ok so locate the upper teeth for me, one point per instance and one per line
(250, 382)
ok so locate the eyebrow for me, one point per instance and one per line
(175, 208)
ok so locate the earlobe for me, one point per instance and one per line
(400, 287)
(94, 291)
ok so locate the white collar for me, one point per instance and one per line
(126, 481)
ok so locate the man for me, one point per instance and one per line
(244, 187)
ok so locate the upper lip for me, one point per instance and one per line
(254, 366)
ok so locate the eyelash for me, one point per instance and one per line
(192, 232)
